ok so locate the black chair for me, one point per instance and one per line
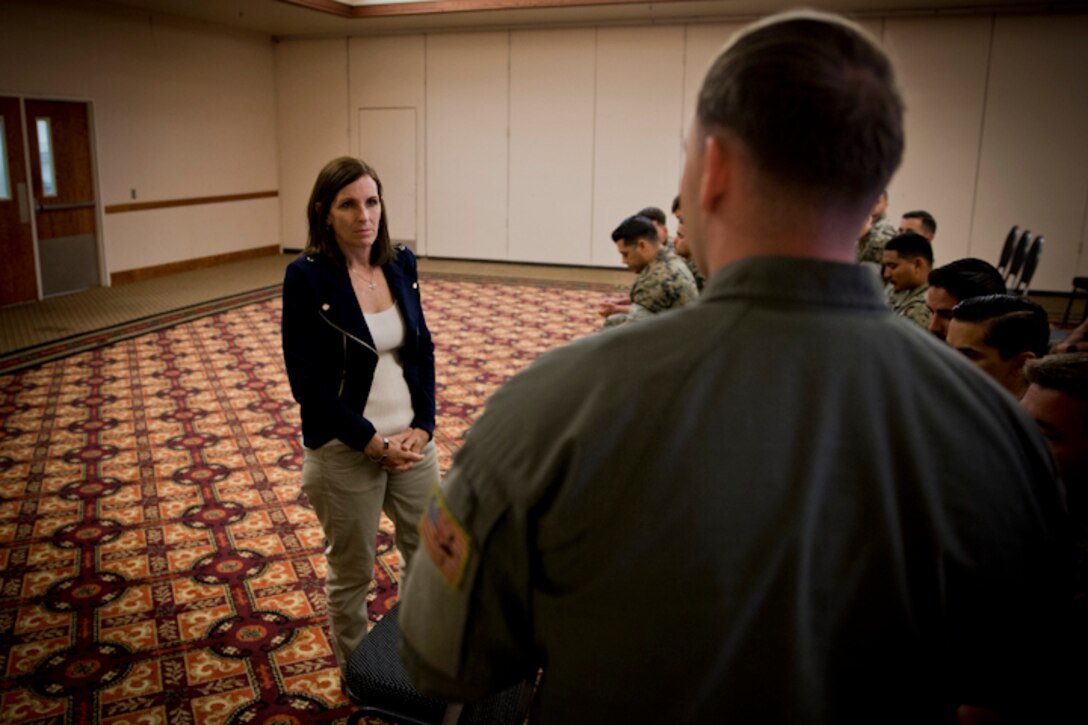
(1079, 283)
(1007, 249)
(1031, 263)
(380, 686)
(1018, 255)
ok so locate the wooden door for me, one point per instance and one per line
(62, 172)
(18, 277)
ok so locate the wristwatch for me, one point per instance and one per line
(385, 447)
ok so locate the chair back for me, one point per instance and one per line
(1031, 262)
(1006, 249)
(1018, 255)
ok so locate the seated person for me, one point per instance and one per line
(1057, 398)
(662, 280)
(681, 247)
(878, 231)
(957, 281)
(907, 261)
(657, 216)
(1075, 340)
(919, 222)
(1000, 334)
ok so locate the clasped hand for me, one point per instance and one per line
(405, 449)
(613, 305)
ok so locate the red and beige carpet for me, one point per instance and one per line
(157, 561)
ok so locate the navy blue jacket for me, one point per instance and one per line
(330, 352)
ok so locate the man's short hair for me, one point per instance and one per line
(1013, 324)
(676, 204)
(1065, 372)
(653, 214)
(910, 245)
(929, 224)
(814, 100)
(634, 228)
(966, 278)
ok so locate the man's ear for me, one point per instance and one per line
(718, 158)
(1021, 359)
(919, 264)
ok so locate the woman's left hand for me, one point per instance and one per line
(412, 439)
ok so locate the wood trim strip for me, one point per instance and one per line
(448, 6)
(325, 6)
(188, 265)
(194, 201)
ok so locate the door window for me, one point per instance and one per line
(45, 152)
(5, 176)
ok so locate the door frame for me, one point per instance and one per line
(99, 217)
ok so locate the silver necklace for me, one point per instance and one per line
(370, 283)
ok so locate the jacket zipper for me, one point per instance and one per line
(346, 334)
(344, 339)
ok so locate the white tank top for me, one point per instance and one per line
(389, 406)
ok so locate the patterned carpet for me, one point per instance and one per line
(157, 564)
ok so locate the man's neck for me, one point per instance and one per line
(829, 239)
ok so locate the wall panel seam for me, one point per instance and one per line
(593, 153)
(509, 129)
(981, 137)
(347, 95)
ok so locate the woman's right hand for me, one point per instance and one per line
(396, 457)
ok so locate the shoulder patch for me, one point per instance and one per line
(447, 543)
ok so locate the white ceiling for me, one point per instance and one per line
(287, 20)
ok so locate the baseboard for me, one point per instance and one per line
(161, 270)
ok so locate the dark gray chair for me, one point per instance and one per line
(1080, 284)
(1007, 250)
(1017, 261)
(378, 683)
(1027, 271)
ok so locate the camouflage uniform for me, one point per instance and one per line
(910, 303)
(662, 284)
(871, 246)
(700, 280)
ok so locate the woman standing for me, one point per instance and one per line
(361, 365)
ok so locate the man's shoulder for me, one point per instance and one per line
(568, 375)
(883, 230)
(667, 269)
(676, 263)
(913, 297)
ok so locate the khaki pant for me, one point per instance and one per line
(348, 493)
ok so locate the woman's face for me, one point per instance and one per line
(356, 214)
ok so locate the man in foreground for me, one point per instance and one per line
(766, 522)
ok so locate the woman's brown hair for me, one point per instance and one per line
(337, 174)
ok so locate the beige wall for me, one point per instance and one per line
(181, 109)
(528, 145)
(312, 114)
(536, 143)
